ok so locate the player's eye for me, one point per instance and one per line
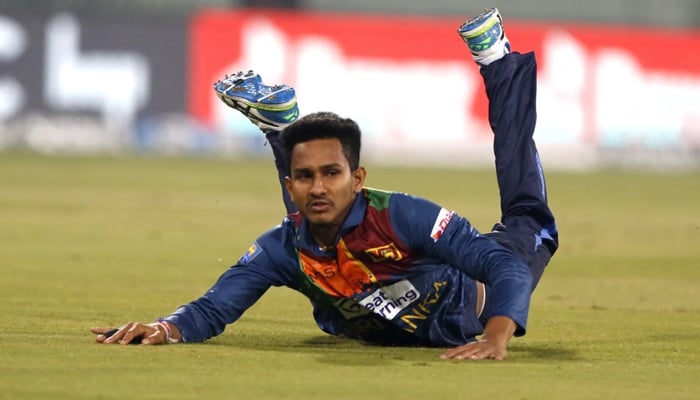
(302, 175)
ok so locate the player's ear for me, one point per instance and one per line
(288, 186)
(358, 179)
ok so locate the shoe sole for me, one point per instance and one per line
(490, 21)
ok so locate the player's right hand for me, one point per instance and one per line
(131, 333)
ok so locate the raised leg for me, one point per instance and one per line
(527, 223)
(270, 107)
(282, 165)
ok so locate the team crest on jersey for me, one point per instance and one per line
(252, 252)
(443, 218)
(383, 253)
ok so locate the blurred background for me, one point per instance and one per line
(618, 85)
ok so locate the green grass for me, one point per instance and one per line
(101, 241)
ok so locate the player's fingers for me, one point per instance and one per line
(469, 355)
(156, 337)
(483, 354)
(478, 355)
(448, 354)
(99, 330)
(474, 352)
(112, 336)
(118, 335)
(102, 333)
(133, 330)
(465, 351)
(452, 353)
(499, 355)
(459, 353)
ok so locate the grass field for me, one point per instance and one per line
(100, 241)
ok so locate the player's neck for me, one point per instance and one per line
(324, 235)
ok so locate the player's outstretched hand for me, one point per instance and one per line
(131, 333)
(480, 350)
(492, 345)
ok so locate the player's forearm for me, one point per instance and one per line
(194, 323)
(510, 283)
(509, 280)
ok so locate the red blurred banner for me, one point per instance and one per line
(603, 85)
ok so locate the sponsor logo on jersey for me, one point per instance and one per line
(350, 309)
(388, 301)
(415, 317)
(443, 218)
(383, 253)
(249, 255)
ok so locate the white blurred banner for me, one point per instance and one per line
(606, 95)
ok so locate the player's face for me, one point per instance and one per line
(321, 184)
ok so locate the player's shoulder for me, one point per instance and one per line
(278, 236)
(397, 201)
(404, 210)
(275, 243)
(379, 198)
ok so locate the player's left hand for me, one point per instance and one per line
(480, 350)
(492, 345)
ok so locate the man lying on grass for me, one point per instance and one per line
(385, 267)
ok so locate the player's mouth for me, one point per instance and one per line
(319, 206)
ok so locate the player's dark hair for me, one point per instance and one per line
(324, 125)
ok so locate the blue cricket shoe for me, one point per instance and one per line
(485, 37)
(271, 108)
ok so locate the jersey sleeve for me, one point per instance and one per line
(451, 239)
(236, 290)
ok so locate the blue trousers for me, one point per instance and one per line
(527, 226)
